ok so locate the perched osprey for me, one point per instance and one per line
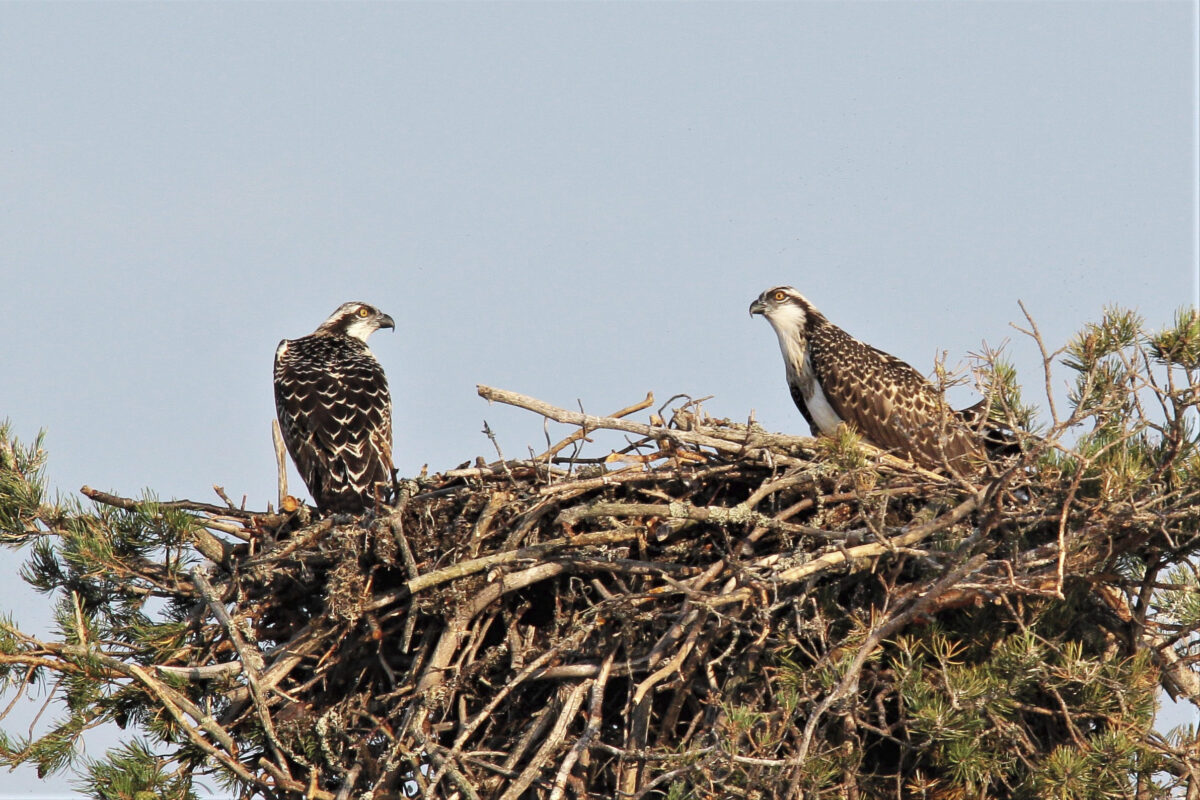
(835, 378)
(335, 411)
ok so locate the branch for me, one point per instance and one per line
(587, 421)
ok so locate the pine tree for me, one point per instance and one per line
(713, 611)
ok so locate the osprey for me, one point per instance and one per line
(335, 411)
(835, 378)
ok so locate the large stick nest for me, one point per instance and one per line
(705, 609)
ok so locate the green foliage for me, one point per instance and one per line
(1179, 344)
(1006, 405)
(134, 772)
(991, 722)
(1117, 330)
(1106, 379)
(1180, 603)
(21, 485)
(843, 451)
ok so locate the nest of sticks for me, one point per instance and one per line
(603, 627)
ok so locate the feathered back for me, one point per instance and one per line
(890, 404)
(335, 411)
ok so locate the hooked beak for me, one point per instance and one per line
(758, 307)
(385, 321)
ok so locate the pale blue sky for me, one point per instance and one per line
(575, 201)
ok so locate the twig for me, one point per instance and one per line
(444, 766)
(280, 462)
(487, 430)
(183, 505)
(220, 491)
(1047, 358)
(303, 644)
(209, 672)
(717, 515)
(582, 432)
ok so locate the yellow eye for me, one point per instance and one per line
(779, 297)
(364, 312)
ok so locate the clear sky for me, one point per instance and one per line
(574, 201)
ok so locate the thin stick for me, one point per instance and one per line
(582, 432)
(220, 512)
(1047, 358)
(716, 515)
(280, 461)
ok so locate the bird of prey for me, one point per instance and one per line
(835, 378)
(335, 411)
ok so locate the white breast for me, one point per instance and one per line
(825, 418)
(794, 352)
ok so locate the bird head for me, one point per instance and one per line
(784, 308)
(356, 320)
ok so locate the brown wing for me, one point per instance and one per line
(889, 403)
(335, 414)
